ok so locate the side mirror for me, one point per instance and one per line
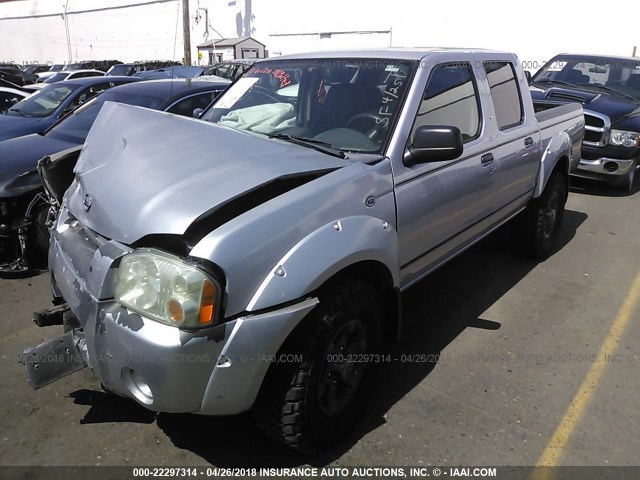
(527, 75)
(434, 143)
(197, 112)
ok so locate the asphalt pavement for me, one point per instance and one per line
(498, 365)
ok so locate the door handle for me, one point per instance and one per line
(528, 142)
(487, 158)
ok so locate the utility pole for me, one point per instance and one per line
(186, 33)
(66, 28)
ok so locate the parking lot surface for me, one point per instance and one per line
(490, 369)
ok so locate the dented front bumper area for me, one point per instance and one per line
(213, 371)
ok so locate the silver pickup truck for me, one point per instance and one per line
(254, 258)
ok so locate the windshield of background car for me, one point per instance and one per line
(75, 127)
(56, 77)
(616, 74)
(351, 104)
(43, 102)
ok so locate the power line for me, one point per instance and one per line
(80, 12)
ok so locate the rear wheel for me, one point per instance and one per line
(536, 228)
(314, 395)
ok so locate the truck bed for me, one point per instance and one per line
(554, 117)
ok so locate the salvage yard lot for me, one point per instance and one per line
(494, 349)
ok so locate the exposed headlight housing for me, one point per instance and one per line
(620, 138)
(167, 289)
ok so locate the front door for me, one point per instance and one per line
(439, 203)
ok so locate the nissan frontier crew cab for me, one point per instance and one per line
(254, 258)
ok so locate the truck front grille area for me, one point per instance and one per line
(596, 130)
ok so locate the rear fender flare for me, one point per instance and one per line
(559, 146)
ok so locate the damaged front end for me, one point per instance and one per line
(27, 211)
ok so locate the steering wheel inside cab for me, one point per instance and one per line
(367, 123)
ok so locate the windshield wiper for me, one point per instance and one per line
(318, 145)
(609, 89)
(559, 82)
(19, 111)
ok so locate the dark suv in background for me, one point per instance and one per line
(609, 90)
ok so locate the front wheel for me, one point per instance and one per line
(310, 400)
(536, 228)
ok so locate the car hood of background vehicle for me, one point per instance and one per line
(143, 172)
(11, 127)
(616, 107)
(20, 155)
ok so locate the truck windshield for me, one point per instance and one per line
(619, 76)
(347, 104)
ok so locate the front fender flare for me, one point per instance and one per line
(325, 252)
(559, 146)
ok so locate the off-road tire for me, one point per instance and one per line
(535, 230)
(289, 407)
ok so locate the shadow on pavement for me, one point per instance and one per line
(597, 188)
(107, 408)
(435, 312)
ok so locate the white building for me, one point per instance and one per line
(129, 30)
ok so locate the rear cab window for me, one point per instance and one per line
(505, 94)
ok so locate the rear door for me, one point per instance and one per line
(517, 138)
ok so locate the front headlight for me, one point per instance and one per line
(167, 289)
(620, 138)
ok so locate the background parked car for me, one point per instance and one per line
(73, 74)
(58, 67)
(608, 88)
(9, 97)
(231, 69)
(136, 67)
(177, 71)
(39, 111)
(102, 65)
(20, 155)
(12, 75)
(30, 72)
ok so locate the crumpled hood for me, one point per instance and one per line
(21, 155)
(11, 127)
(144, 172)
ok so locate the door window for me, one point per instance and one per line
(451, 99)
(505, 94)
